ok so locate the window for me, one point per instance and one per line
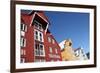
(23, 27)
(38, 36)
(53, 41)
(23, 42)
(49, 39)
(39, 49)
(41, 37)
(23, 52)
(22, 60)
(50, 49)
(76, 53)
(56, 51)
(40, 26)
(37, 25)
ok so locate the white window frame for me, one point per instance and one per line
(39, 50)
(38, 35)
(39, 25)
(23, 40)
(24, 27)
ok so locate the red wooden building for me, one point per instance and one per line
(37, 42)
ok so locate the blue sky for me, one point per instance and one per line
(70, 25)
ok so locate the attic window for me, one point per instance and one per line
(39, 22)
(37, 25)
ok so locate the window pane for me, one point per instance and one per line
(36, 49)
(39, 49)
(36, 32)
(23, 27)
(56, 50)
(40, 26)
(22, 60)
(41, 37)
(49, 39)
(23, 42)
(50, 49)
(37, 25)
(36, 35)
(53, 41)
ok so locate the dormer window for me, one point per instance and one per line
(37, 25)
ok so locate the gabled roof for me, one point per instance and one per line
(41, 13)
(38, 14)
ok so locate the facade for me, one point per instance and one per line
(37, 42)
(79, 53)
(67, 52)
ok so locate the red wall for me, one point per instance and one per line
(29, 35)
(54, 46)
